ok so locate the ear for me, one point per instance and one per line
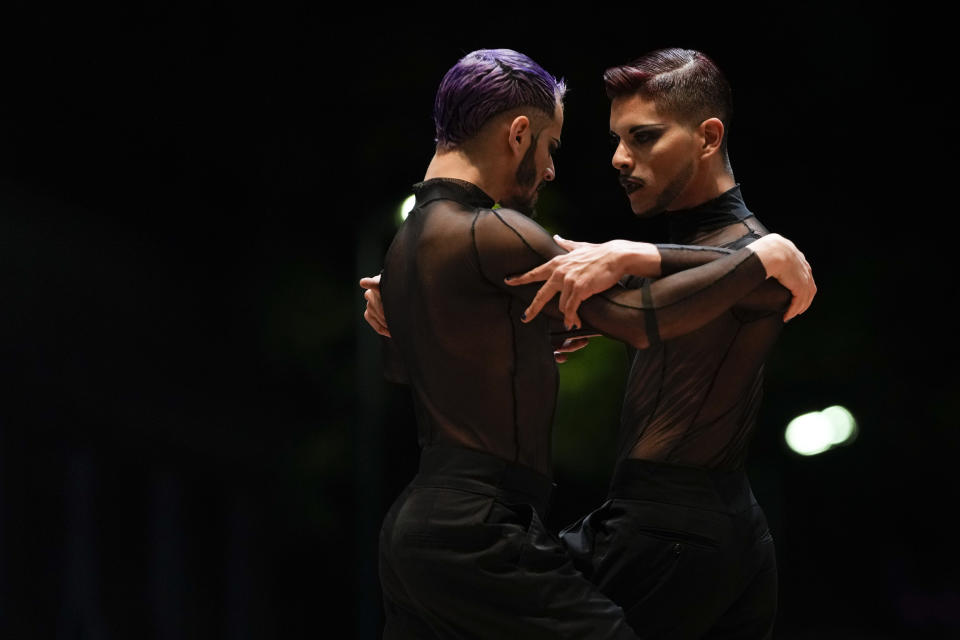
(519, 134)
(711, 132)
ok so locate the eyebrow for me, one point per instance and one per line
(642, 127)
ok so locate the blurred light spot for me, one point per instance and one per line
(816, 432)
(407, 207)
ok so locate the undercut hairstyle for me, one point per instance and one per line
(682, 82)
(486, 83)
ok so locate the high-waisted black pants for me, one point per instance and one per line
(686, 552)
(464, 554)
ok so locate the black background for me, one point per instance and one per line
(195, 440)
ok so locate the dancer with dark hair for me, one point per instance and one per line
(681, 542)
(463, 551)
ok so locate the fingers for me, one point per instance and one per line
(565, 295)
(793, 310)
(546, 292)
(802, 298)
(569, 245)
(537, 274)
(375, 324)
(569, 346)
(374, 313)
(570, 299)
(573, 344)
(375, 304)
(372, 282)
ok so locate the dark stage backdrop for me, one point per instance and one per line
(195, 438)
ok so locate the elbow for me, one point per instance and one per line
(646, 333)
(639, 340)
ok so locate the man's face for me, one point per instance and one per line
(655, 155)
(536, 168)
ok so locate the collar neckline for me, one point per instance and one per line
(725, 209)
(452, 189)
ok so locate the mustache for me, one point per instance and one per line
(627, 181)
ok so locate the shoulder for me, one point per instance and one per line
(508, 230)
(512, 220)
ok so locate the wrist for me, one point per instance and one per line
(770, 258)
(638, 259)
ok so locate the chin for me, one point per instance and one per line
(639, 209)
(646, 208)
(647, 211)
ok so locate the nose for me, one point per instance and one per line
(622, 161)
(550, 173)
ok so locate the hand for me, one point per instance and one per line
(587, 269)
(569, 346)
(374, 312)
(787, 264)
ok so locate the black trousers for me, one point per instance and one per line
(686, 552)
(464, 554)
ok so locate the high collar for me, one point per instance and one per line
(683, 225)
(452, 189)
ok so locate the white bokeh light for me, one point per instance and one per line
(407, 207)
(818, 431)
(842, 424)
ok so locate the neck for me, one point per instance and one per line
(706, 185)
(457, 164)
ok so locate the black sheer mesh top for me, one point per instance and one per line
(693, 399)
(480, 377)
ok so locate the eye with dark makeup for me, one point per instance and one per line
(644, 137)
(614, 139)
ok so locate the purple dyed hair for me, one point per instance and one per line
(682, 82)
(484, 84)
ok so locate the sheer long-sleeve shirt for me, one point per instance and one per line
(482, 378)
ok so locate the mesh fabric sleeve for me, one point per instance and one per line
(768, 296)
(509, 243)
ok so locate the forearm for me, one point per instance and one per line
(653, 261)
(627, 258)
(675, 304)
(677, 257)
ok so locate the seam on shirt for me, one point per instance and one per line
(476, 249)
(713, 381)
(513, 380)
(656, 403)
(513, 336)
(518, 234)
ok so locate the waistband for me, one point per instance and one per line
(479, 472)
(727, 491)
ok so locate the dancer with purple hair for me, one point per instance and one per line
(463, 551)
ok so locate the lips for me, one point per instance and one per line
(630, 184)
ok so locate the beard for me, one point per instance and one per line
(526, 177)
(671, 192)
